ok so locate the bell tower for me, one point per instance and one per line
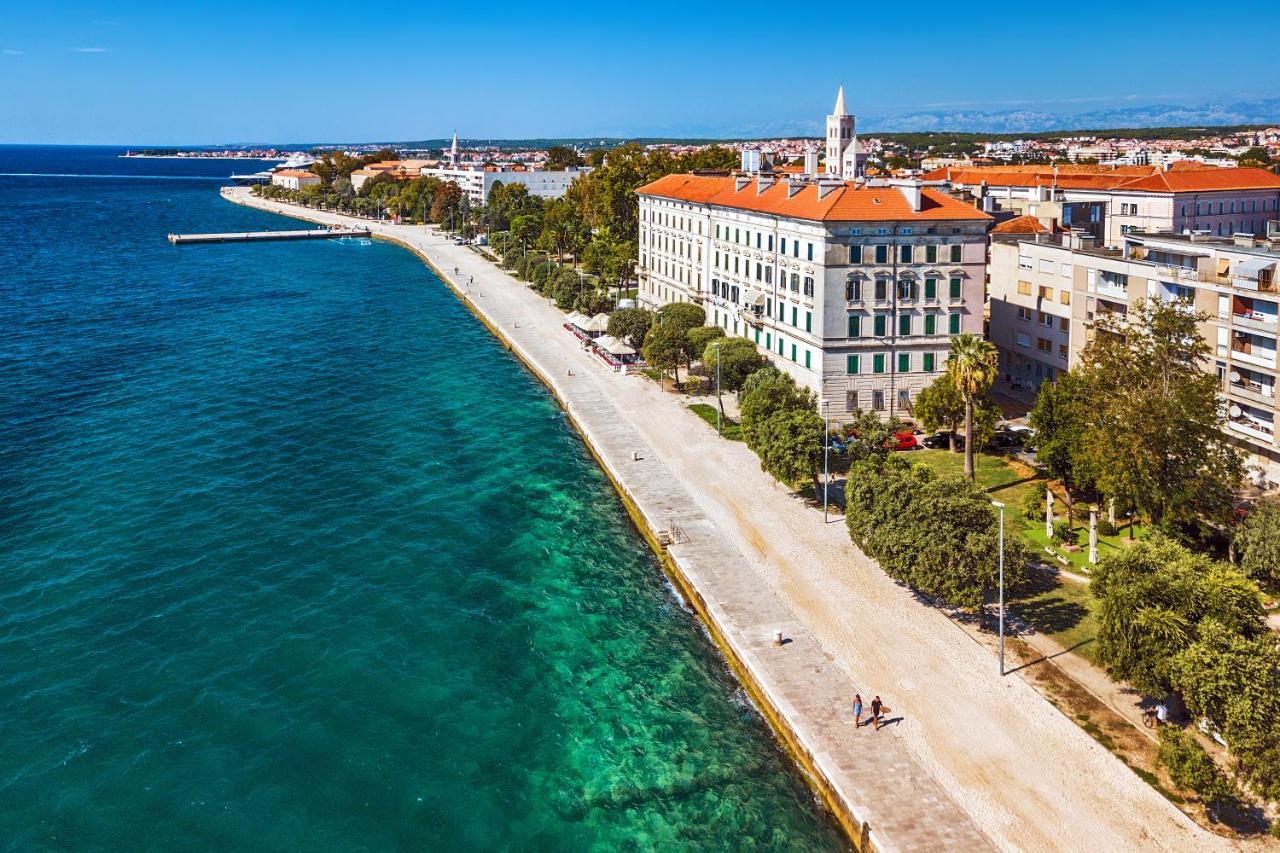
(839, 135)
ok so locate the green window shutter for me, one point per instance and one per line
(793, 352)
(877, 363)
(757, 335)
(930, 324)
(768, 340)
(930, 288)
(928, 362)
(904, 325)
(954, 327)
(879, 326)
(904, 362)
(955, 288)
(808, 321)
(931, 254)
(806, 358)
(851, 364)
(955, 253)
(855, 325)
(780, 342)
(882, 254)
(793, 316)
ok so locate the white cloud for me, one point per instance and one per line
(11, 52)
(88, 50)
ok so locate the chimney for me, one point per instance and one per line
(1078, 239)
(740, 181)
(750, 160)
(828, 186)
(794, 185)
(811, 161)
(764, 182)
(912, 191)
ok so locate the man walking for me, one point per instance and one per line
(857, 710)
(877, 708)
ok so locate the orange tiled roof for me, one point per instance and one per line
(1022, 225)
(296, 173)
(846, 203)
(1206, 180)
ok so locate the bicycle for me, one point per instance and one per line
(1149, 718)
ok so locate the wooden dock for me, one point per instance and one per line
(257, 236)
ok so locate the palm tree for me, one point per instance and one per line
(973, 366)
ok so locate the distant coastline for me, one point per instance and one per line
(271, 154)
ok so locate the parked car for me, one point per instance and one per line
(905, 441)
(942, 441)
(1006, 438)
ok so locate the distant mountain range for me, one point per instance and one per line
(1260, 111)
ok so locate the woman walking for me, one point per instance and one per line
(857, 710)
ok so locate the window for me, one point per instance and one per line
(956, 253)
(882, 254)
(1062, 351)
(808, 321)
(768, 275)
(1046, 266)
(955, 288)
(904, 362)
(784, 245)
(906, 289)
(877, 366)
(853, 290)
(953, 324)
(930, 254)
(1024, 313)
(1046, 320)
(879, 325)
(770, 244)
(1064, 296)
(810, 252)
(1024, 288)
(930, 324)
(904, 253)
(1044, 345)
(877, 397)
(759, 271)
(806, 359)
(855, 254)
(855, 325)
(927, 362)
(793, 352)
(793, 316)
(1024, 262)
(1066, 270)
(930, 288)
(795, 282)
(882, 289)
(851, 364)
(904, 325)
(737, 236)
(808, 285)
(1022, 340)
(1064, 324)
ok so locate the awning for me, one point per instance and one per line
(573, 318)
(613, 346)
(598, 323)
(1250, 267)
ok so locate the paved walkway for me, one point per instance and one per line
(975, 760)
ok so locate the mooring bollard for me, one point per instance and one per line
(777, 637)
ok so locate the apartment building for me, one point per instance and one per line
(853, 290)
(1047, 291)
(1112, 201)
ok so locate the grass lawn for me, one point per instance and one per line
(729, 428)
(1059, 608)
(1004, 480)
(1033, 534)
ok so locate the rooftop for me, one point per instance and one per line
(1182, 176)
(846, 202)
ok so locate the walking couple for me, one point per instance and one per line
(878, 709)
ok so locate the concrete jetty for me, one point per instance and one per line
(256, 236)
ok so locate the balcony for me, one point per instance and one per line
(1113, 291)
(1249, 388)
(1255, 320)
(1248, 421)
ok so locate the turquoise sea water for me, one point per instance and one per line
(293, 556)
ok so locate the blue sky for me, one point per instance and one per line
(176, 73)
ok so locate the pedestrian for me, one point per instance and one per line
(877, 708)
(857, 710)
(473, 280)
(1162, 714)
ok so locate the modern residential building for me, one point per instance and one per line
(1114, 201)
(1047, 291)
(294, 179)
(478, 180)
(853, 290)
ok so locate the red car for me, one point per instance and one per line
(905, 441)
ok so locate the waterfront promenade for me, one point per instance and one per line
(974, 761)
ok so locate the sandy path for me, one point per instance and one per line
(1028, 776)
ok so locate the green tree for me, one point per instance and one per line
(735, 359)
(1153, 597)
(698, 338)
(765, 392)
(1154, 431)
(560, 157)
(1060, 418)
(1191, 768)
(682, 316)
(630, 325)
(790, 445)
(1233, 680)
(938, 535)
(1256, 543)
(664, 347)
(972, 365)
(939, 406)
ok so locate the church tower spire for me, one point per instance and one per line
(453, 152)
(839, 136)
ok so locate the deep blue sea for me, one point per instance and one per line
(293, 556)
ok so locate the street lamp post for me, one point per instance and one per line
(826, 451)
(1000, 506)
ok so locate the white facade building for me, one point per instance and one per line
(854, 291)
(477, 181)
